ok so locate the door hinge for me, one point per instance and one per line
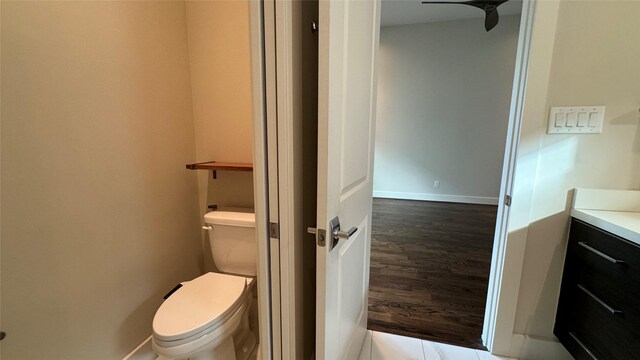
(507, 200)
(274, 230)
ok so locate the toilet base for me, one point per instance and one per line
(237, 346)
(229, 350)
(245, 346)
(225, 350)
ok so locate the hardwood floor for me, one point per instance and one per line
(430, 266)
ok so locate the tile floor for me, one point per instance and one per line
(383, 346)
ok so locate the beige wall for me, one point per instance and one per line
(99, 216)
(592, 65)
(219, 52)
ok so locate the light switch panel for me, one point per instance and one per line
(576, 120)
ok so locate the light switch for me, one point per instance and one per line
(561, 119)
(582, 119)
(572, 119)
(576, 120)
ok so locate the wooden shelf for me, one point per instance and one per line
(220, 165)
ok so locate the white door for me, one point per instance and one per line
(348, 42)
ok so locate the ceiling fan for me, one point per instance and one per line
(490, 8)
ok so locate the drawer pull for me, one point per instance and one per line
(582, 345)
(599, 301)
(600, 253)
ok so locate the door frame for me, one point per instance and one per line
(265, 176)
(282, 166)
(529, 94)
(497, 281)
(282, 124)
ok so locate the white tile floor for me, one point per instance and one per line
(382, 346)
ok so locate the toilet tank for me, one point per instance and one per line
(232, 237)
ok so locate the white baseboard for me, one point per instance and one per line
(142, 352)
(437, 197)
(525, 347)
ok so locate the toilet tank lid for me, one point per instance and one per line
(231, 218)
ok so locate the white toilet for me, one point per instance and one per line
(208, 317)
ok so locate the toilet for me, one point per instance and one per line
(207, 318)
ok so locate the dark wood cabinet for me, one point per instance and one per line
(598, 313)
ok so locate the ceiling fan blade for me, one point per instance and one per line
(490, 8)
(480, 4)
(491, 19)
(470, 2)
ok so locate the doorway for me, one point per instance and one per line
(444, 94)
(498, 330)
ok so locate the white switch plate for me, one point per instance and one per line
(576, 120)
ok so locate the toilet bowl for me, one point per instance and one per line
(206, 318)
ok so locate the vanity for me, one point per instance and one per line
(598, 314)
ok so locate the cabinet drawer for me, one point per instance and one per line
(576, 347)
(607, 335)
(608, 253)
(616, 293)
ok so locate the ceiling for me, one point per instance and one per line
(404, 12)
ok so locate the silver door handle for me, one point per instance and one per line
(336, 233)
(347, 234)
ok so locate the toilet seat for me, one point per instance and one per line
(199, 307)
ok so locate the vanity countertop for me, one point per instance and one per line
(616, 211)
(622, 223)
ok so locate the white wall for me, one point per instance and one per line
(590, 65)
(99, 216)
(443, 105)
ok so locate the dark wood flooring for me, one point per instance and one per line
(430, 265)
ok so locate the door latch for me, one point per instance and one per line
(321, 235)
